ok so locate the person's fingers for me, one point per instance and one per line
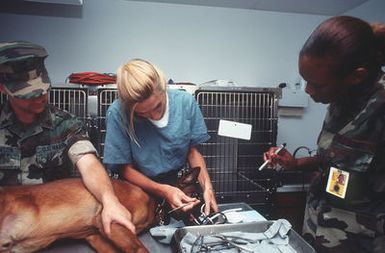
(129, 225)
(207, 208)
(266, 156)
(188, 206)
(272, 150)
(176, 204)
(181, 202)
(107, 226)
(213, 204)
(210, 202)
(186, 198)
(275, 158)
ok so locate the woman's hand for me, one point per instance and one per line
(210, 201)
(177, 198)
(283, 158)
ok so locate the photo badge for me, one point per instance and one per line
(337, 182)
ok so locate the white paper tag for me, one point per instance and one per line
(337, 182)
(234, 129)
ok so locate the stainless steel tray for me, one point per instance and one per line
(295, 240)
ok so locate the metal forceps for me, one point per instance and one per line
(226, 243)
(235, 243)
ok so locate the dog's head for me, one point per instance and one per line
(188, 182)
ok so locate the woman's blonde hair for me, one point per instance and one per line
(136, 81)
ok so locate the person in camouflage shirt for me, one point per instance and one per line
(41, 155)
(39, 142)
(345, 210)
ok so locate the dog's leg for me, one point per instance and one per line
(125, 240)
(100, 244)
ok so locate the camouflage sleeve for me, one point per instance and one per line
(74, 132)
(80, 148)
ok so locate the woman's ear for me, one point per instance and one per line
(358, 76)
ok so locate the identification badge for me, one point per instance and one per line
(337, 182)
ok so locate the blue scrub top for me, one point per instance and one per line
(161, 149)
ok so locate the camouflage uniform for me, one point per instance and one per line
(352, 139)
(48, 148)
(39, 153)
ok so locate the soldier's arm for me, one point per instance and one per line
(98, 183)
(83, 156)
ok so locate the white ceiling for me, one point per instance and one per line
(317, 7)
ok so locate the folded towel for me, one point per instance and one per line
(274, 240)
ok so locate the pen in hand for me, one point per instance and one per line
(283, 145)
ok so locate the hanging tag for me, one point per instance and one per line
(337, 182)
(234, 129)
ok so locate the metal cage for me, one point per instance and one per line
(105, 98)
(71, 99)
(232, 163)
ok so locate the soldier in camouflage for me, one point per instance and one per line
(39, 157)
(39, 142)
(345, 210)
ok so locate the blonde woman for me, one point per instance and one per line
(152, 132)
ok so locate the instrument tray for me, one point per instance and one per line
(295, 240)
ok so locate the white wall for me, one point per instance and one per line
(190, 43)
(371, 11)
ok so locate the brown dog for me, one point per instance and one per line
(32, 217)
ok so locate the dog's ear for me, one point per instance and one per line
(190, 176)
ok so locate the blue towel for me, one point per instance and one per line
(274, 240)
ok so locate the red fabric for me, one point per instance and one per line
(91, 78)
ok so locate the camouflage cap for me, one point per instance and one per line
(20, 50)
(22, 70)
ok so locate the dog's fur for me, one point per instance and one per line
(32, 217)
